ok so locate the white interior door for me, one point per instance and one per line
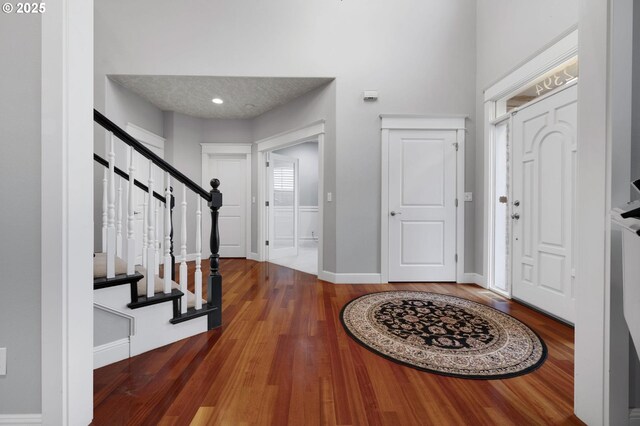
(232, 172)
(283, 206)
(422, 205)
(544, 147)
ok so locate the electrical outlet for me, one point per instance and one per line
(3, 361)
(468, 196)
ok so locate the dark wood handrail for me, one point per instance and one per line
(146, 152)
(124, 175)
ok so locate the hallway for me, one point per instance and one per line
(282, 357)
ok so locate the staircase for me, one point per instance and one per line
(158, 309)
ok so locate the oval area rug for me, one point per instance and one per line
(443, 334)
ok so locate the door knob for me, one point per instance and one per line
(394, 213)
(515, 216)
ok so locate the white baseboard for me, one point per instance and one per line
(634, 417)
(21, 419)
(253, 256)
(350, 278)
(111, 352)
(473, 278)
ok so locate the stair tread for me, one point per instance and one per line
(155, 299)
(193, 313)
(121, 279)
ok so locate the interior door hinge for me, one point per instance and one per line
(266, 243)
(266, 203)
(267, 164)
(456, 257)
(456, 202)
(456, 145)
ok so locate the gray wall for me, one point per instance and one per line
(108, 327)
(508, 33)
(20, 159)
(318, 104)
(420, 56)
(307, 155)
(184, 135)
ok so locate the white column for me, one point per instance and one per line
(198, 272)
(183, 250)
(151, 233)
(131, 220)
(168, 267)
(111, 211)
(119, 220)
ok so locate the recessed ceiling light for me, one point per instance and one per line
(217, 101)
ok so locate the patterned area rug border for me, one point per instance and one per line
(524, 371)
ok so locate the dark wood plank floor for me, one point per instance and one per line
(282, 357)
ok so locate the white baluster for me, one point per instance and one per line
(151, 243)
(119, 220)
(145, 230)
(158, 236)
(105, 195)
(183, 249)
(105, 204)
(111, 212)
(168, 267)
(198, 273)
(131, 219)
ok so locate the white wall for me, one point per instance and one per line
(20, 187)
(420, 56)
(508, 33)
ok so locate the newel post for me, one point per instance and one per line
(214, 286)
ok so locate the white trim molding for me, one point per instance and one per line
(111, 352)
(389, 122)
(221, 149)
(473, 278)
(253, 256)
(21, 419)
(312, 131)
(67, 213)
(350, 278)
(146, 136)
(550, 57)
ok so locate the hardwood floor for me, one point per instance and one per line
(282, 357)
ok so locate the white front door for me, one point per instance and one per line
(283, 206)
(544, 159)
(422, 205)
(232, 173)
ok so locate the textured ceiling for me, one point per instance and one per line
(244, 97)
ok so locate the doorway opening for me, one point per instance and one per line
(293, 206)
(290, 198)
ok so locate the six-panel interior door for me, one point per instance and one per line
(283, 206)
(544, 147)
(422, 197)
(232, 172)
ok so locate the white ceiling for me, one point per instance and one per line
(244, 97)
